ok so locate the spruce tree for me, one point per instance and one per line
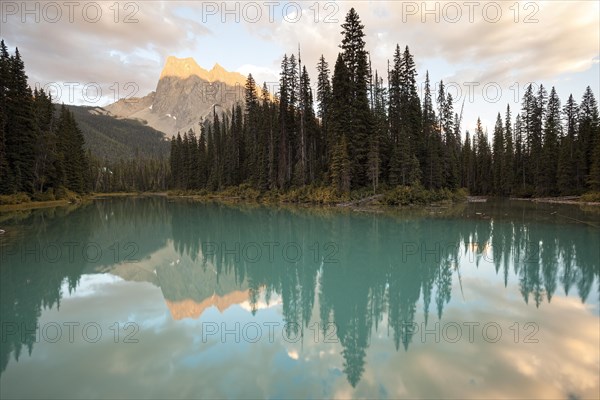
(202, 157)
(589, 130)
(410, 105)
(568, 181)
(283, 158)
(552, 131)
(6, 183)
(483, 162)
(341, 166)
(509, 155)
(20, 132)
(520, 157)
(46, 146)
(341, 110)
(498, 157)
(359, 122)
(467, 163)
(433, 169)
(324, 98)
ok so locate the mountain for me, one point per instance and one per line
(185, 94)
(113, 139)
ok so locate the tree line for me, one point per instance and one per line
(43, 152)
(369, 134)
(41, 149)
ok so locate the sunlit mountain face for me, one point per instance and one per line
(432, 303)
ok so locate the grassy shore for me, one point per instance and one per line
(22, 201)
(325, 196)
(400, 196)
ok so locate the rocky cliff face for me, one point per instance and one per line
(185, 94)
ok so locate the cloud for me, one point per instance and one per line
(260, 74)
(543, 41)
(506, 45)
(104, 52)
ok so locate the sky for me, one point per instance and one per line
(95, 52)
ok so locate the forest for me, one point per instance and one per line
(43, 153)
(355, 134)
(362, 133)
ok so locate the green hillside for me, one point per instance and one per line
(115, 139)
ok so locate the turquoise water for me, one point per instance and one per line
(149, 298)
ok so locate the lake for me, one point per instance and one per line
(154, 298)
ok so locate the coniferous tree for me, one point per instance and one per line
(451, 144)
(251, 128)
(433, 168)
(359, 124)
(6, 183)
(536, 152)
(589, 131)
(594, 177)
(20, 132)
(520, 156)
(552, 131)
(394, 108)
(46, 146)
(467, 165)
(410, 106)
(483, 161)
(498, 156)
(568, 181)
(283, 159)
(72, 163)
(531, 146)
(341, 166)
(341, 111)
(202, 157)
(509, 155)
(324, 98)
(378, 138)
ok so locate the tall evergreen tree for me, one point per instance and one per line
(467, 163)
(509, 155)
(483, 161)
(520, 156)
(568, 181)
(324, 98)
(589, 132)
(20, 132)
(359, 125)
(552, 132)
(6, 183)
(46, 147)
(498, 157)
(410, 105)
(433, 166)
(341, 111)
(341, 166)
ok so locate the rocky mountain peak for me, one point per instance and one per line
(184, 68)
(185, 94)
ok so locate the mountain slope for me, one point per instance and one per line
(114, 139)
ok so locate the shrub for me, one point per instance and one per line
(17, 198)
(48, 195)
(418, 195)
(63, 193)
(591, 197)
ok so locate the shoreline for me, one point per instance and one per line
(369, 203)
(572, 200)
(33, 204)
